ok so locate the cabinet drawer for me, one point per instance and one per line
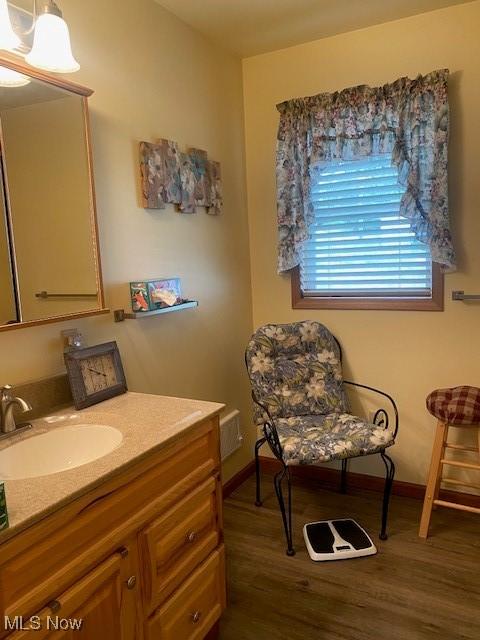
(191, 612)
(88, 529)
(173, 545)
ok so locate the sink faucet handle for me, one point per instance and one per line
(7, 404)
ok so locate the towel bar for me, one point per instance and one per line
(44, 295)
(461, 295)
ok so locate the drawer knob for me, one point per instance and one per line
(192, 536)
(131, 582)
(196, 616)
(54, 606)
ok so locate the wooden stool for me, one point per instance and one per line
(457, 407)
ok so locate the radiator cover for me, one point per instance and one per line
(230, 435)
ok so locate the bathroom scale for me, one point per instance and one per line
(337, 540)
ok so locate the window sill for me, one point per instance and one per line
(435, 303)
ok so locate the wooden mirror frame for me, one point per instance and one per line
(13, 62)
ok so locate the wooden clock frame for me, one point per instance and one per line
(73, 361)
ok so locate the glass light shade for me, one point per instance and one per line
(8, 38)
(9, 78)
(51, 46)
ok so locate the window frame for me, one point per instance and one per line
(370, 300)
(433, 303)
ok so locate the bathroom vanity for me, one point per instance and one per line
(129, 543)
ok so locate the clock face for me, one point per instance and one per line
(98, 373)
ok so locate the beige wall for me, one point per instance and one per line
(406, 353)
(155, 77)
(48, 184)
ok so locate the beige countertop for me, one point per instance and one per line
(147, 422)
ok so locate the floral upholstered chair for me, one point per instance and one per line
(300, 402)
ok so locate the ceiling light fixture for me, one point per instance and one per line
(10, 78)
(8, 38)
(51, 50)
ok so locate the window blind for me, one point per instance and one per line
(359, 245)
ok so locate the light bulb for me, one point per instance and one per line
(10, 78)
(51, 49)
(8, 38)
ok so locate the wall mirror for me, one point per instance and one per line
(49, 259)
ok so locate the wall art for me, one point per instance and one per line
(202, 177)
(171, 166)
(215, 185)
(186, 179)
(153, 175)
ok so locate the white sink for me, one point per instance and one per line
(58, 450)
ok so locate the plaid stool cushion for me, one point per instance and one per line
(460, 405)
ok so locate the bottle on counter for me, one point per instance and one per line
(3, 508)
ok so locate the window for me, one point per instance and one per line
(361, 253)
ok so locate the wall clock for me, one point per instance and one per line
(95, 374)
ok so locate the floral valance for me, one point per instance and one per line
(408, 118)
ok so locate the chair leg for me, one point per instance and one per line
(389, 476)
(343, 482)
(434, 478)
(258, 496)
(286, 513)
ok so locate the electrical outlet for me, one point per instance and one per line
(72, 339)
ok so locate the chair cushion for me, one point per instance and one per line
(456, 406)
(295, 370)
(311, 439)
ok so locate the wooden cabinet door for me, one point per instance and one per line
(92, 609)
(99, 604)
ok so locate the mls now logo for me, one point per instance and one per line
(35, 623)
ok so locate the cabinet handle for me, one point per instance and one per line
(196, 616)
(54, 606)
(192, 536)
(123, 551)
(131, 582)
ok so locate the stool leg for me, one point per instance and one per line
(439, 477)
(434, 477)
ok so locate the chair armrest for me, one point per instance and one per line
(380, 411)
(270, 430)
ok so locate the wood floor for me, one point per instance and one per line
(411, 590)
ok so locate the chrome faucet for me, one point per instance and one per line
(7, 402)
